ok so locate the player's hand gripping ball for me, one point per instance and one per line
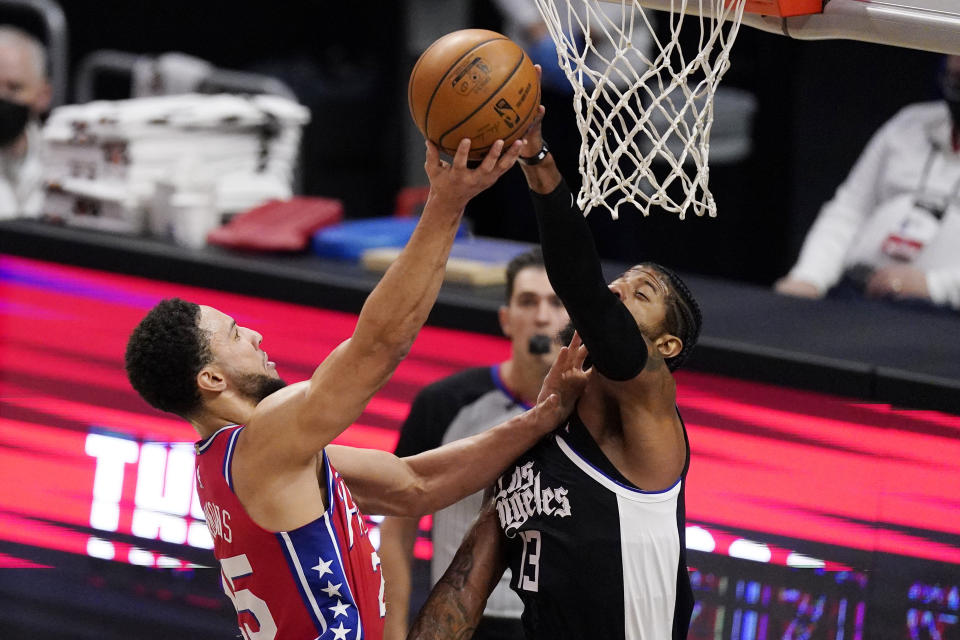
(473, 84)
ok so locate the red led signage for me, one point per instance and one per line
(87, 468)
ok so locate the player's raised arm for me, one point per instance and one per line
(617, 348)
(294, 424)
(456, 602)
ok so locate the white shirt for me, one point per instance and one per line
(21, 179)
(909, 158)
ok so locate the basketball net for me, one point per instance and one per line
(644, 107)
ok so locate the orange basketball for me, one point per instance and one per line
(473, 84)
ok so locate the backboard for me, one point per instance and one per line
(929, 25)
(644, 98)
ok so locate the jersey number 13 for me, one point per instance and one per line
(530, 561)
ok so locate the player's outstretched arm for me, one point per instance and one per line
(303, 418)
(383, 484)
(457, 601)
(617, 347)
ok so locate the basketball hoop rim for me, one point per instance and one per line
(773, 8)
(925, 25)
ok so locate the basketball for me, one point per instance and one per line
(473, 84)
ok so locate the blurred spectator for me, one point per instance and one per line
(24, 95)
(893, 228)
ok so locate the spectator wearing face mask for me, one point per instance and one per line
(24, 96)
(893, 228)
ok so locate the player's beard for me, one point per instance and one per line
(257, 386)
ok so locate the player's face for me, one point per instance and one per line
(534, 309)
(236, 350)
(643, 290)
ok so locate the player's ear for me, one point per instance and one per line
(669, 345)
(211, 379)
(503, 315)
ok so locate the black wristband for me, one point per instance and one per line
(537, 159)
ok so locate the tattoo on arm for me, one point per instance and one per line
(459, 571)
(445, 615)
(456, 603)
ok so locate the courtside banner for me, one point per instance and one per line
(788, 491)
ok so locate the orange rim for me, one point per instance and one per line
(784, 8)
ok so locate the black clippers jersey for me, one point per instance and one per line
(592, 556)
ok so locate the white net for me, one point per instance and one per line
(644, 106)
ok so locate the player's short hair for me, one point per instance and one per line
(683, 318)
(531, 258)
(20, 38)
(165, 353)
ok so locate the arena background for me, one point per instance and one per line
(817, 105)
(866, 493)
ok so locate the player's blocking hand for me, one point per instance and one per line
(567, 378)
(457, 182)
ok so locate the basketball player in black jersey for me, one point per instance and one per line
(591, 520)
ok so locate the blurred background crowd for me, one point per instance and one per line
(794, 120)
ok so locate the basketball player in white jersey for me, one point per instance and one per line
(591, 520)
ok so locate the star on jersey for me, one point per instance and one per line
(340, 609)
(323, 567)
(332, 589)
(340, 633)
